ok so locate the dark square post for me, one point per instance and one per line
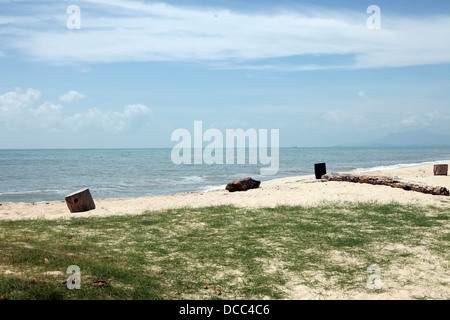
(320, 169)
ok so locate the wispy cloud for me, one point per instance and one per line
(362, 94)
(423, 120)
(339, 116)
(121, 30)
(70, 96)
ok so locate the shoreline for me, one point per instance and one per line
(354, 171)
(397, 166)
(297, 190)
(43, 188)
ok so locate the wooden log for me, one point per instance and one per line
(80, 201)
(440, 169)
(387, 181)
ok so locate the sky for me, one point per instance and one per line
(135, 71)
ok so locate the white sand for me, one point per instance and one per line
(302, 190)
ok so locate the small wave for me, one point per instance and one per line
(33, 192)
(395, 166)
(192, 179)
(212, 188)
(296, 171)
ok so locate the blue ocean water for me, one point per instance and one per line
(50, 175)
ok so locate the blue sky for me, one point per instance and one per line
(137, 70)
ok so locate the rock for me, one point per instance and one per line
(242, 185)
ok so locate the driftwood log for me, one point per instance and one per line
(387, 181)
(80, 201)
(440, 169)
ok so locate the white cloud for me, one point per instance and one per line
(418, 120)
(86, 70)
(15, 100)
(131, 118)
(362, 94)
(48, 108)
(71, 96)
(339, 116)
(21, 111)
(140, 31)
(408, 121)
(15, 104)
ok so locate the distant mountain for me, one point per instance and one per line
(419, 138)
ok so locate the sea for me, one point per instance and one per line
(49, 175)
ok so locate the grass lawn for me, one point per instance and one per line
(226, 252)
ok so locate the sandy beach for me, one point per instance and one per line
(300, 190)
(418, 272)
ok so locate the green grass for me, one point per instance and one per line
(245, 253)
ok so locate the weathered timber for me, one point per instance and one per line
(387, 181)
(440, 169)
(80, 201)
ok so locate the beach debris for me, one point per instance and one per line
(70, 279)
(218, 292)
(387, 181)
(80, 201)
(242, 185)
(440, 169)
(320, 169)
(100, 283)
